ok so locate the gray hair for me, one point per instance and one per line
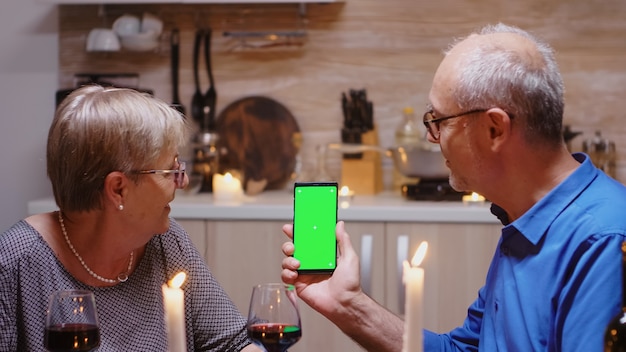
(531, 92)
(99, 130)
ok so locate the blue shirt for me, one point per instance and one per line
(554, 282)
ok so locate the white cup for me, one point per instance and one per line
(127, 25)
(102, 39)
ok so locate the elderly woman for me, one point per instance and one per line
(112, 159)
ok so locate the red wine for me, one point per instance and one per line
(72, 337)
(275, 337)
(615, 335)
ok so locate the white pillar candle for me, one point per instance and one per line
(174, 304)
(413, 278)
(227, 189)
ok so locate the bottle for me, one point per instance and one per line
(615, 334)
(407, 134)
(297, 174)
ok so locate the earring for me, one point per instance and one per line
(120, 207)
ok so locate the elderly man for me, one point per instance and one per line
(496, 109)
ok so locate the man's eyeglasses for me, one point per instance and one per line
(179, 174)
(432, 123)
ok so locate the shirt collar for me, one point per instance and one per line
(535, 222)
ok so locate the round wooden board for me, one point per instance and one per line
(258, 134)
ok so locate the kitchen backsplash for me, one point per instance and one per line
(390, 48)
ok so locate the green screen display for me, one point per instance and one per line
(314, 221)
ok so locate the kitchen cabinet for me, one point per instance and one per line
(455, 267)
(243, 253)
(197, 232)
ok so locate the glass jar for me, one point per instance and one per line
(407, 133)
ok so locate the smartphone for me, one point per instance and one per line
(314, 222)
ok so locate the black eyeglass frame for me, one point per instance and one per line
(432, 123)
(179, 174)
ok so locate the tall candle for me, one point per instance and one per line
(413, 278)
(227, 189)
(174, 303)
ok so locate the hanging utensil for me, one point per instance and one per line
(210, 97)
(197, 100)
(175, 42)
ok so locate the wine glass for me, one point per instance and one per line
(71, 322)
(273, 318)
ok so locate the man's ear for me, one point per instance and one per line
(500, 127)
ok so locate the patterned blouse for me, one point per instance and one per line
(130, 313)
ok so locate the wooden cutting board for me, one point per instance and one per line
(258, 134)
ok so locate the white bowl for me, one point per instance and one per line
(144, 41)
(102, 39)
(150, 22)
(127, 25)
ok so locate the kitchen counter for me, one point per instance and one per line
(278, 205)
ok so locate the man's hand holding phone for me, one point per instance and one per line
(327, 294)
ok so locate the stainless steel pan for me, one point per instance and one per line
(410, 161)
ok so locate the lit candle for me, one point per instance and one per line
(413, 278)
(174, 303)
(345, 197)
(473, 198)
(227, 189)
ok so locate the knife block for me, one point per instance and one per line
(364, 175)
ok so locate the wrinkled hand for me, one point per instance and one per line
(324, 293)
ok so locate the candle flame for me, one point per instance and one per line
(228, 177)
(344, 191)
(420, 253)
(477, 197)
(177, 280)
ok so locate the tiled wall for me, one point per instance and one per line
(389, 47)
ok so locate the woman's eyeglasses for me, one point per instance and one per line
(179, 173)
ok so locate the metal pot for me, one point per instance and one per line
(417, 161)
(411, 161)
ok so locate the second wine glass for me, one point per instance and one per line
(273, 318)
(71, 322)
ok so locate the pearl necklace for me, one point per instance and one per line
(122, 277)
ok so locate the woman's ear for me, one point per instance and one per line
(115, 188)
